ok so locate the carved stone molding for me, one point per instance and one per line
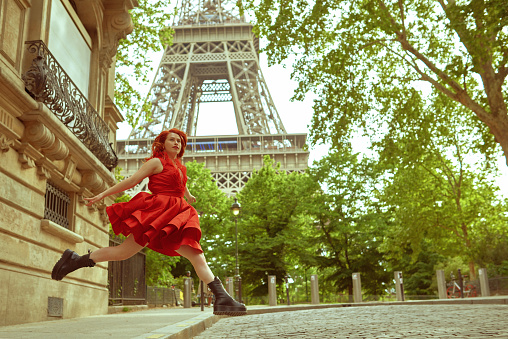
(70, 168)
(41, 137)
(57, 151)
(26, 161)
(5, 143)
(43, 172)
(116, 26)
(103, 214)
(92, 181)
(28, 155)
(38, 134)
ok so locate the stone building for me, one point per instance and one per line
(57, 139)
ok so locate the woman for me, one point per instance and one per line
(163, 221)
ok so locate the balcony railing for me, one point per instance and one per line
(47, 82)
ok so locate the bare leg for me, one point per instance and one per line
(198, 261)
(116, 253)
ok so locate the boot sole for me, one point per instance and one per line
(230, 313)
(56, 269)
(229, 310)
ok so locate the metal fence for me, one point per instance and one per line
(163, 296)
(126, 279)
(498, 286)
(47, 82)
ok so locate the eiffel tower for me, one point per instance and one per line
(214, 58)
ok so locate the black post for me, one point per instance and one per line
(240, 288)
(401, 286)
(461, 284)
(174, 294)
(202, 297)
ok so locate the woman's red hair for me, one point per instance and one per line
(158, 148)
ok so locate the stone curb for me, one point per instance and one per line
(127, 308)
(193, 327)
(184, 329)
(489, 300)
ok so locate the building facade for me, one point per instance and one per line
(57, 138)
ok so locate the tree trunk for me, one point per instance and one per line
(472, 272)
(350, 292)
(498, 126)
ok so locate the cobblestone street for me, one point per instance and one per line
(404, 321)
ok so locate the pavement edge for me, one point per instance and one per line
(193, 327)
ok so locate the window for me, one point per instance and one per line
(57, 205)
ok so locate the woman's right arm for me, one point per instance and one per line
(152, 166)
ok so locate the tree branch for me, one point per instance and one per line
(402, 16)
(454, 231)
(460, 94)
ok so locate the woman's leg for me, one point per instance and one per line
(117, 253)
(224, 304)
(198, 261)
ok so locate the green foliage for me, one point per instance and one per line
(364, 59)
(216, 223)
(437, 185)
(348, 226)
(158, 269)
(419, 273)
(266, 228)
(151, 33)
(451, 266)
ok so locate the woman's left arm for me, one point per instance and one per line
(190, 198)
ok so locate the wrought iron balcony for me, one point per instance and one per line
(47, 82)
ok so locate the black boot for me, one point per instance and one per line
(224, 304)
(69, 262)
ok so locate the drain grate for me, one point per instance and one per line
(55, 307)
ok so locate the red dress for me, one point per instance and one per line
(163, 220)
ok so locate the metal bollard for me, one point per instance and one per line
(441, 284)
(202, 291)
(314, 289)
(230, 286)
(461, 284)
(272, 291)
(484, 282)
(357, 288)
(399, 286)
(187, 286)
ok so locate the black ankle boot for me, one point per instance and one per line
(69, 262)
(224, 304)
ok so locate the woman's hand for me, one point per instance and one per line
(92, 200)
(191, 199)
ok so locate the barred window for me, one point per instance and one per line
(57, 205)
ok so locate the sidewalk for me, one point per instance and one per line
(179, 323)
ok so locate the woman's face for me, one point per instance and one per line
(173, 145)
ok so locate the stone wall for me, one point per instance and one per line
(36, 147)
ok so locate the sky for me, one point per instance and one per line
(296, 116)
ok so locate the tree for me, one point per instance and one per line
(348, 225)
(151, 33)
(360, 55)
(434, 190)
(266, 227)
(159, 269)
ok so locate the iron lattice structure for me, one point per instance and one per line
(214, 58)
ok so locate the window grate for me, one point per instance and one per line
(57, 205)
(55, 307)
